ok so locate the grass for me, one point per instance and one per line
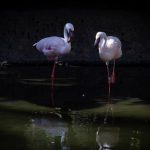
(130, 108)
(23, 106)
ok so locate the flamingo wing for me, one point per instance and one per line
(113, 47)
(51, 45)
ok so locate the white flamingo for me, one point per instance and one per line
(109, 49)
(54, 46)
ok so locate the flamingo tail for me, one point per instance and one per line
(34, 44)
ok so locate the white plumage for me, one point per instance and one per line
(54, 46)
(109, 49)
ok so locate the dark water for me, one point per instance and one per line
(81, 117)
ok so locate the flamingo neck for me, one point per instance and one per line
(66, 36)
(102, 43)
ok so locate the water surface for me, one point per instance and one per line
(75, 113)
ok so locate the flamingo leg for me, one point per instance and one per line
(107, 65)
(109, 110)
(106, 115)
(52, 80)
(52, 96)
(53, 74)
(113, 79)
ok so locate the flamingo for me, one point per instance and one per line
(109, 50)
(107, 137)
(54, 46)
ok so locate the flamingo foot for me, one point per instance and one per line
(113, 78)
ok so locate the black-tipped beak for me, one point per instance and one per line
(96, 41)
(71, 33)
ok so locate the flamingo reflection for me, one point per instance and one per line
(107, 135)
(56, 129)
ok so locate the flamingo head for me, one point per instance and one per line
(98, 37)
(68, 31)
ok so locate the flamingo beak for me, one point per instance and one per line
(70, 35)
(96, 42)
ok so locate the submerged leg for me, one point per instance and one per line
(109, 110)
(113, 78)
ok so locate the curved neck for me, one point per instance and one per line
(66, 36)
(102, 42)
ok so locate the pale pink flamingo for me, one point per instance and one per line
(109, 50)
(54, 46)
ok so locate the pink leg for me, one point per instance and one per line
(53, 70)
(113, 79)
(52, 96)
(107, 63)
(53, 74)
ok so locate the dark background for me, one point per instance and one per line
(25, 22)
(99, 4)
